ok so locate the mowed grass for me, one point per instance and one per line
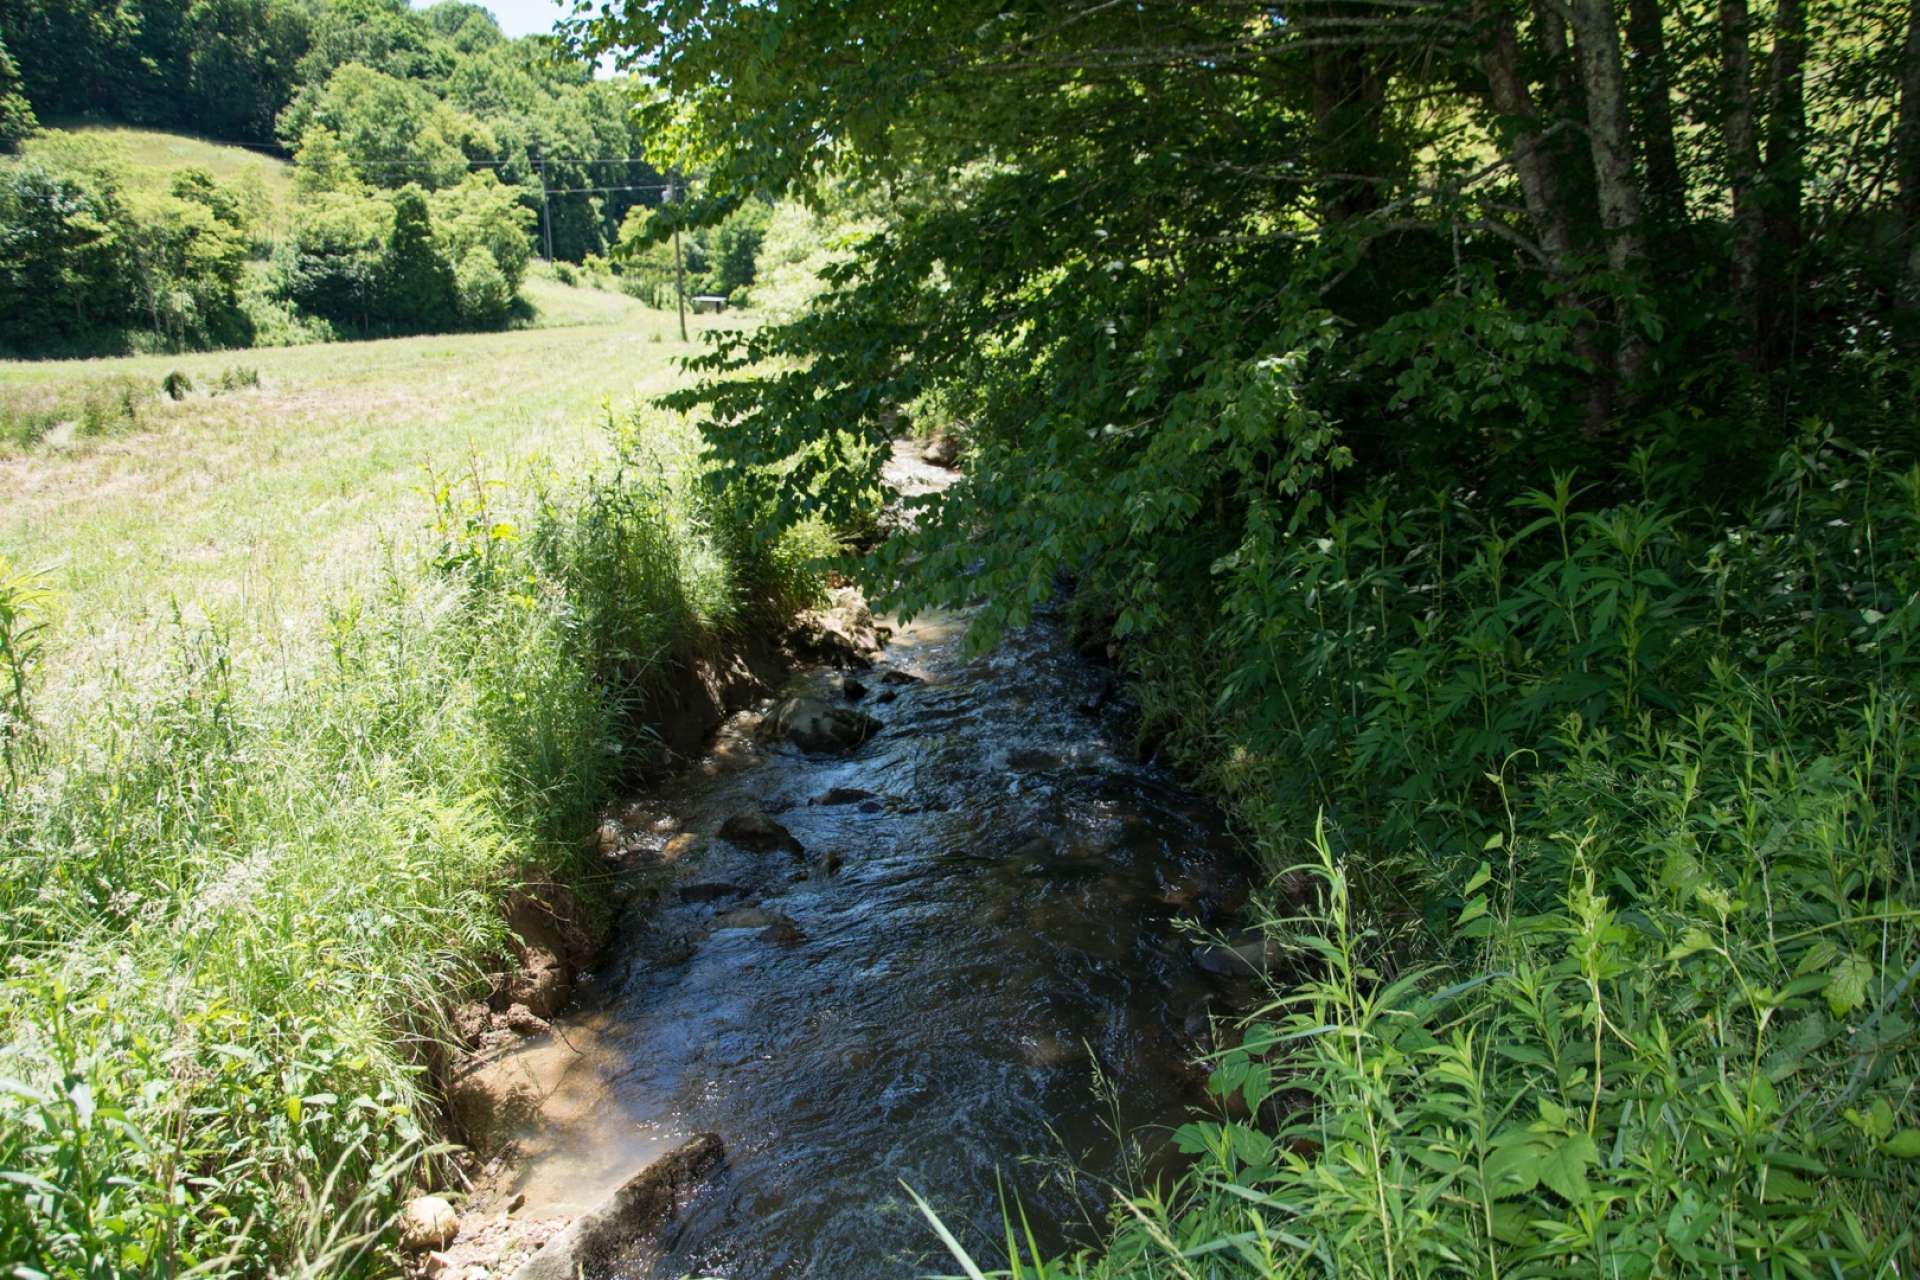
(253, 505)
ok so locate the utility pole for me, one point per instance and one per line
(546, 210)
(679, 266)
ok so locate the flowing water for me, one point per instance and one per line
(985, 918)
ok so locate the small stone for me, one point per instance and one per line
(895, 676)
(841, 795)
(783, 931)
(852, 690)
(681, 846)
(608, 837)
(428, 1222)
(523, 1021)
(755, 832)
(885, 696)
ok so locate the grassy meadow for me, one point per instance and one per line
(299, 682)
(253, 505)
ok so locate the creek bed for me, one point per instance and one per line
(983, 917)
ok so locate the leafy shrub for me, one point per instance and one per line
(1610, 963)
(177, 385)
(238, 377)
(565, 274)
(482, 290)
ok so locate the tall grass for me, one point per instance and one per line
(241, 886)
(1607, 812)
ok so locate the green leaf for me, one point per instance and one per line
(1564, 1169)
(1904, 1145)
(1847, 985)
(1688, 1217)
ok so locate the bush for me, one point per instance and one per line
(239, 377)
(481, 212)
(1602, 952)
(565, 274)
(482, 289)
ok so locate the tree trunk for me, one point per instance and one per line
(1347, 98)
(1653, 80)
(1785, 177)
(1907, 159)
(1539, 183)
(1743, 164)
(1541, 188)
(1596, 38)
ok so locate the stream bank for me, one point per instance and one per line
(917, 915)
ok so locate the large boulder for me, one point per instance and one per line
(945, 450)
(543, 983)
(1245, 953)
(813, 725)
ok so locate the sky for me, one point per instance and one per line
(520, 17)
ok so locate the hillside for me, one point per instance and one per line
(148, 159)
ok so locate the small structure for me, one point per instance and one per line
(704, 302)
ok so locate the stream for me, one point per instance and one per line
(973, 973)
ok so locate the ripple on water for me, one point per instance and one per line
(1001, 922)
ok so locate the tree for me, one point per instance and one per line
(483, 213)
(417, 284)
(16, 113)
(396, 133)
(63, 277)
(481, 288)
(330, 263)
(242, 62)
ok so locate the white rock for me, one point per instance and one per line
(428, 1222)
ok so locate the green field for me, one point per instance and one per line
(251, 505)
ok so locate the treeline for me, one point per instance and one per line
(1486, 433)
(406, 95)
(431, 155)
